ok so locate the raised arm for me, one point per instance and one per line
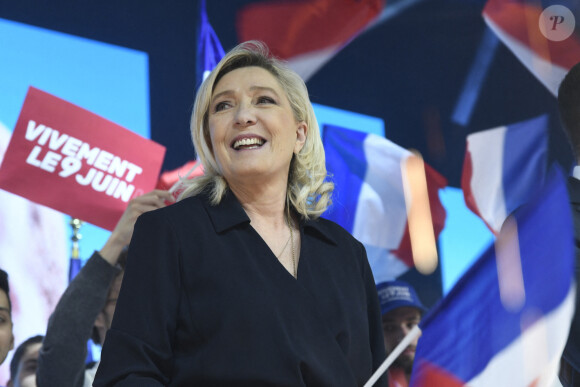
(138, 350)
(63, 353)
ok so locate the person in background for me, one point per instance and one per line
(6, 335)
(402, 311)
(242, 283)
(25, 362)
(569, 107)
(86, 308)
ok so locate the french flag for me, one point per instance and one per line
(369, 197)
(503, 167)
(506, 321)
(517, 24)
(209, 48)
(209, 53)
(306, 33)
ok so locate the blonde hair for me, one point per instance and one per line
(308, 190)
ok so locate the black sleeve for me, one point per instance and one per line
(138, 347)
(61, 361)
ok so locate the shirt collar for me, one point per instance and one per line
(320, 228)
(229, 213)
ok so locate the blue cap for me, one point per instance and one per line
(396, 294)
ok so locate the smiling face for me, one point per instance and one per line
(252, 128)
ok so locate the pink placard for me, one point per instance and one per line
(74, 161)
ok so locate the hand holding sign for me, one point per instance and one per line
(87, 166)
(121, 235)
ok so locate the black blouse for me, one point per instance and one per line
(205, 302)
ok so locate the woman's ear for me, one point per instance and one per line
(301, 134)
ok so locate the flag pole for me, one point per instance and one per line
(412, 335)
(75, 261)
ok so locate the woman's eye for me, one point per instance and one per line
(264, 99)
(221, 106)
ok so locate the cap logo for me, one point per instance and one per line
(393, 293)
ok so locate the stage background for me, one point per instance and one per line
(133, 62)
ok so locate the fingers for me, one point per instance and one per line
(149, 201)
(155, 198)
(121, 235)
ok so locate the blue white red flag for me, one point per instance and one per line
(534, 36)
(74, 268)
(369, 197)
(209, 48)
(506, 321)
(503, 167)
(306, 33)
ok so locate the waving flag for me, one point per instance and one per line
(519, 25)
(306, 33)
(503, 167)
(209, 48)
(369, 197)
(506, 321)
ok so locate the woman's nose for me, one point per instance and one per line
(245, 115)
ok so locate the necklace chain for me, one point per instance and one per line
(293, 253)
(291, 241)
(285, 245)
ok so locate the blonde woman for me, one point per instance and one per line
(241, 282)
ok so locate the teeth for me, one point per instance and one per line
(248, 142)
